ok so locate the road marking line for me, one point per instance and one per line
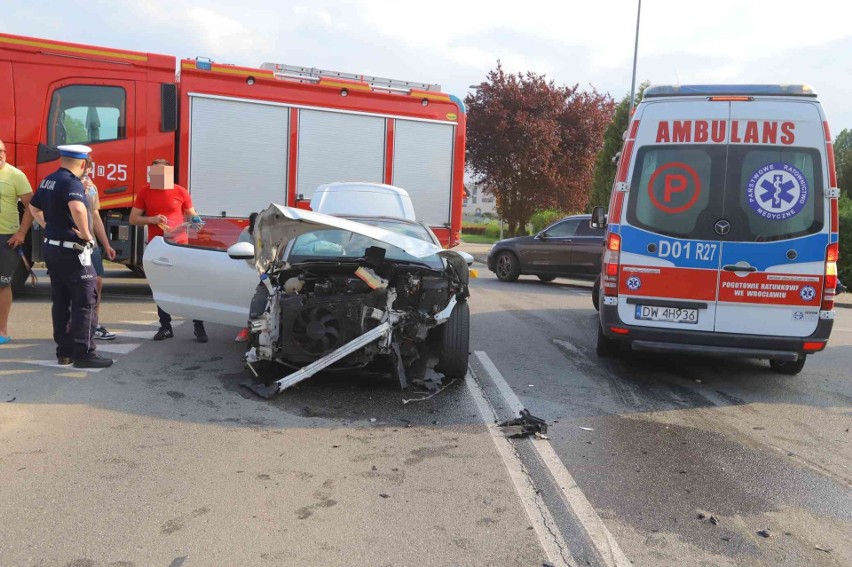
(118, 348)
(149, 323)
(539, 516)
(597, 531)
(53, 364)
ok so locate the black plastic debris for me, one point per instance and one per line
(714, 520)
(526, 424)
(701, 515)
(383, 495)
(764, 533)
(12, 399)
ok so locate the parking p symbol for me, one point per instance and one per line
(673, 183)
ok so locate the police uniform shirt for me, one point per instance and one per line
(53, 195)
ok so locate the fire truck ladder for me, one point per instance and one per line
(312, 75)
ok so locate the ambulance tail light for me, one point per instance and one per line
(731, 98)
(832, 252)
(610, 265)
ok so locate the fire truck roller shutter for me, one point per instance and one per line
(423, 166)
(237, 156)
(334, 146)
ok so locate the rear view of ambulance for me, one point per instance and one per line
(722, 236)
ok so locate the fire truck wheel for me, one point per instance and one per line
(788, 368)
(19, 279)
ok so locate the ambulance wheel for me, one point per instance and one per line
(605, 347)
(596, 294)
(547, 279)
(787, 367)
(507, 267)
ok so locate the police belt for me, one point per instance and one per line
(69, 244)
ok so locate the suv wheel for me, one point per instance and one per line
(787, 367)
(507, 267)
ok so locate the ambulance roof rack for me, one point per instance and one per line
(313, 75)
(728, 90)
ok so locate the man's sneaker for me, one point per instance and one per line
(200, 333)
(103, 334)
(242, 336)
(64, 360)
(164, 333)
(94, 361)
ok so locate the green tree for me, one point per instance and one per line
(532, 144)
(606, 164)
(843, 160)
(75, 130)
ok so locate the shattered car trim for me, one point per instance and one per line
(331, 303)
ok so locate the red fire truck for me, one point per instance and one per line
(239, 137)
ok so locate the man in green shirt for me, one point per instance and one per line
(13, 186)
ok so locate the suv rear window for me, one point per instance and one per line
(764, 192)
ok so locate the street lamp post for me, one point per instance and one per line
(635, 53)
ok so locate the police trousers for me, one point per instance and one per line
(74, 295)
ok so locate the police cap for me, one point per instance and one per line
(75, 151)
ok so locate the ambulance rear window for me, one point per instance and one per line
(672, 187)
(765, 192)
(778, 190)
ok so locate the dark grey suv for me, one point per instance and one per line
(568, 247)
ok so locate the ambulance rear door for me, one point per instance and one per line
(773, 254)
(670, 254)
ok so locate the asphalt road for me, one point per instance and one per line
(165, 460)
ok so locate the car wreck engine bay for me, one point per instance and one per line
(342, 300)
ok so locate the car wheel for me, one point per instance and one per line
(605, 347)
(787, 367)
(507, 267)
(455, 343)
(546, 279)
(596, 293)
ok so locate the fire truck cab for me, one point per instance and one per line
(239, 137)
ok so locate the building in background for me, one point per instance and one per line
(477, 204)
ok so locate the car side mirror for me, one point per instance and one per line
(542, 235)
(467, 257)
(241, 251)
(598, 218)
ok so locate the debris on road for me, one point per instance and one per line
(433, 394)
(12, 399)
(764, 533)
(585, 428)
(714, 520)
(701, 515)
(373, 420)
(383, 495)
(526, 424)
(823, 549)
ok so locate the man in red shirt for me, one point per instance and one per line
(165, 205)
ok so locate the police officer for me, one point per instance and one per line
(59, 205)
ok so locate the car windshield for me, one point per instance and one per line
(337, 243)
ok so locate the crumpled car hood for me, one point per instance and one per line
(277, 225)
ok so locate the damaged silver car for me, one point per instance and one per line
(338, 294)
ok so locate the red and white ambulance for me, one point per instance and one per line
(722, 237)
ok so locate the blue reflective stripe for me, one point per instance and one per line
(459, 103)
(705, 253)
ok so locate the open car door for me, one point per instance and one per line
(200, 283)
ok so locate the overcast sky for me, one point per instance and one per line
(456, 43)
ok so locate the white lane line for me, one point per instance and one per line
(118, 348)
(599, 534)
(149, 323)
(136, 334)
(53, 364)
(539, 516)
